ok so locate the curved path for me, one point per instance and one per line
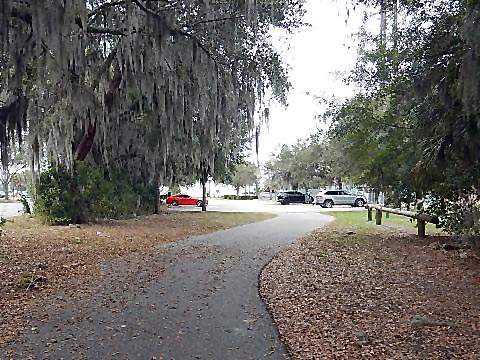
(205, 305)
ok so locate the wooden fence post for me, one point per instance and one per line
(421, 229)
(369, 214)
(378, 217)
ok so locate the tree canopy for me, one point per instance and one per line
(413, 127)
(244, 175)
(158, 88)
(302, 166)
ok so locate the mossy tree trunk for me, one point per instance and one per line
(157, 197)
(204, 191)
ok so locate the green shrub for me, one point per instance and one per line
(240, 197)
(26, 205)
(460, 217)
(89, 193)
(58, 200)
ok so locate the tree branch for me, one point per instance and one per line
(26, 16)
(207, 21)
(97, 10)
(105, 31)
(174, 31)
(22, 14)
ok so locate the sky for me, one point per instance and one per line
(315, 55)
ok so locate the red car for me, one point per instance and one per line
(182, 199)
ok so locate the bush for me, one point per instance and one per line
(88, 193)
(57, 200)
(26, 205)
(460, 217)
(240, 197)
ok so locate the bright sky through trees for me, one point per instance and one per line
(316, 56)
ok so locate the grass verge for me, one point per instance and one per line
(358, 220)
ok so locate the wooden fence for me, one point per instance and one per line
(422, 219)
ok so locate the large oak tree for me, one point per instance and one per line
(160, 88)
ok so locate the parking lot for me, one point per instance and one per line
(270, 206)
(9, 210)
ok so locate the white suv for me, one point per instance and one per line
(328, 198)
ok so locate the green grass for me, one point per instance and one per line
(240, 217)
(358, 220)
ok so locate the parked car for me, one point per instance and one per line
(183, 199)
(328, 198)
(288, 197)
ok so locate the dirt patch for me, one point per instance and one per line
(339, 294)
(38, 260)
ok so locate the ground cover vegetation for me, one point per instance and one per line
(165, 92)
(37, 260)
(240, 197)
(355, 290)
(412, 129)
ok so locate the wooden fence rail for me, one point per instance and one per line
(422, 219)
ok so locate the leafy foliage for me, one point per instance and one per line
(413, 127)
(244, 175)
(88, 193)
(300, 166)
(57, 202)
(25, 204)
(240, 197)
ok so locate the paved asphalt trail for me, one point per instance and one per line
(205, 305)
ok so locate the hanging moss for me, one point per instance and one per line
(169, 87)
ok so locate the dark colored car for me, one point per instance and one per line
(288, 197)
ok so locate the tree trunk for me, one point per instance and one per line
(418, 201)
(157, 197)
(204, 194)
(238, 190)
(339, 183)
(383, 23)
(395, 36)
(383, 40)
(5, 188)
(86, 143)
